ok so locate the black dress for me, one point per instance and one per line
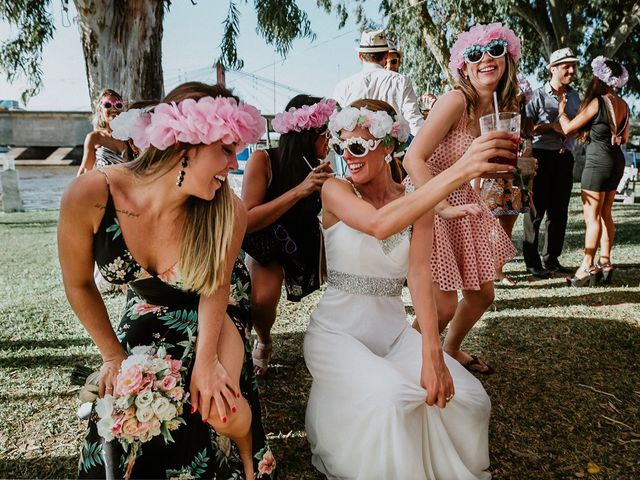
(159, 312)
(604, 163)
(294, 240)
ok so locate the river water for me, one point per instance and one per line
(41, 188)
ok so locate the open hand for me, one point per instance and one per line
(212, 390)
(460, 211)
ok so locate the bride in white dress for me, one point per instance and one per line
(386, 402)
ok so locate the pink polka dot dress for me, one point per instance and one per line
(466, 251)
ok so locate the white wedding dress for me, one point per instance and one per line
(367, 418)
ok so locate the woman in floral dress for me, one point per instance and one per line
(168, 225)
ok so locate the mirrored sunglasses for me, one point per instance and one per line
(357, 146)
(495, 49)
(118, 104)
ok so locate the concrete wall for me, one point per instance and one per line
(44, 129)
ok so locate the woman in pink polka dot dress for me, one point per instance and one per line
(467, 250)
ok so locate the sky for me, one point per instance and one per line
(190, 44)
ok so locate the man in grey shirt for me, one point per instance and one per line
(554, 177)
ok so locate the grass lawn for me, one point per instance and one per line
(566, 391)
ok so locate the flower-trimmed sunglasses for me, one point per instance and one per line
(475, 53)
(118, 104)
(357, 146)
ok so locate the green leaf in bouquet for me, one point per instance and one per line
(130, 401)
(166, 433)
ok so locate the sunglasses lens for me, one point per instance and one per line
(393, 61)
(107, 105)
(475, 56)
(357, 150)
(338, 149)
(496, 51)
(118, 105)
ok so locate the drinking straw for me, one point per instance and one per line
(307, 162)
(495, 106)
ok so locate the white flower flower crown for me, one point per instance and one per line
(380, 124)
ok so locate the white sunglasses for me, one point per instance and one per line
(357, 146)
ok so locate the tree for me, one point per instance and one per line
(122, 40)
(427, 30)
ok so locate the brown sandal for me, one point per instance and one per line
(476, 362)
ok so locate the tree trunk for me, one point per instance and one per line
(434, 38)
(122, 44)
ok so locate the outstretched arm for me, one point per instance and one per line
(570, 126)
(402, 212)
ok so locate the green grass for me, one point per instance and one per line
(566, 392)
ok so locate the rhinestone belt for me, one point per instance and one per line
(363, 285)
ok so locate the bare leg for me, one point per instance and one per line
(591, 206)
(608, 228)
(506, 222)
(446, 304)
(472, 306)
(266, 286)
(237, 425)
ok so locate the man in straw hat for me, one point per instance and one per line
(554, 177)
(375, 82)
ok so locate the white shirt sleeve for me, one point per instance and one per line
(410, 110)
(339, 93)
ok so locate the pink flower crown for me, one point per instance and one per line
(204, 121)
(604, 73)
(306, 117)
(481, 35)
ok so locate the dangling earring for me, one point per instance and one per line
(180, 179)
(388, 158)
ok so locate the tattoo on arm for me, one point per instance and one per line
(124, 212)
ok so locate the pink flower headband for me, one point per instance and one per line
(604, 73)
(206, 121)
(478, 36)
(306, 117)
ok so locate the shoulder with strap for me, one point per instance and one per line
(616, 134)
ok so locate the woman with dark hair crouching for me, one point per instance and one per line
(281, 193)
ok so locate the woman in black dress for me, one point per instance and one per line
(169, 226)
(603, 121)
(281, 193)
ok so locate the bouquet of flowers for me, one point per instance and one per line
(148, 401)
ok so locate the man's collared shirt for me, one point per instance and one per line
(375, 82)
(543, 108)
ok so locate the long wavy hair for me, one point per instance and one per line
(293, 146)
(397, 172)
(98, 121)
(208, 226)
(596, 88)
(507, 90)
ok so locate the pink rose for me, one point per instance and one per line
(267, 464)
(168, 383)
(129, 381)
(176, 365)
(130, 426)
(176, 393)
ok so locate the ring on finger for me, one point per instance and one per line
(449, 397)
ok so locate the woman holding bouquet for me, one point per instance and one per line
(467, 251)
(168, 225)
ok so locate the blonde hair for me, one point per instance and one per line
(98, 121)
(507, 90)
(397, 172)
(208, 226)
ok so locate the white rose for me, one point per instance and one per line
(136, 359)
(104, 406)
(144, 414)
(144, 399)
(163, 409)
(381, 123)
(142, 350)
(122, 403)
(154, 427)
(104, 428)
(158, 364)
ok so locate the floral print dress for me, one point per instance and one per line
(159, 312)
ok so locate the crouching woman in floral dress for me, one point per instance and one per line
(168, 225)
